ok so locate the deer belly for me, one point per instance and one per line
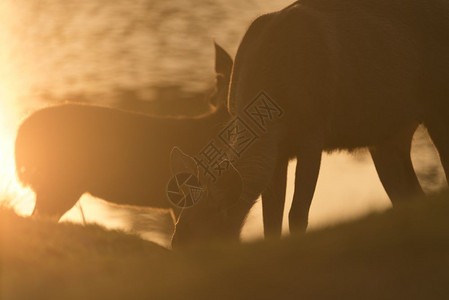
(371, 131)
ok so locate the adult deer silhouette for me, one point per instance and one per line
(67, 150)
(348, 74)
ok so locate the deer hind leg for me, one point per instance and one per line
(53, 204)
(394, 167)
(438, 129)
(307, 170)
(273, 199)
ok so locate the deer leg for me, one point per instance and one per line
(307, 170)
(394, 167)
(273, 199)
(54, 205)
(439, 133)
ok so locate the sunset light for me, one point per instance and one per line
(11, 191)
(167, 149)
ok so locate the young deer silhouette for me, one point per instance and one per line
(347, 74)
(67, 150)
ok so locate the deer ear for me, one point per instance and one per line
(223, 61)
(181, 162)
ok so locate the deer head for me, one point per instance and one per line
(210, 218)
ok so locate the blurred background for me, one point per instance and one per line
(156, 57)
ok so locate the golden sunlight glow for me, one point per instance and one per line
(11, 191)
(37, 37)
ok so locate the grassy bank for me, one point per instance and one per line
(399, 254)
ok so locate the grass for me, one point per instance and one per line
(399, 254)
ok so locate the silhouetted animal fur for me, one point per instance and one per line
(67, 150)
(348, 74)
